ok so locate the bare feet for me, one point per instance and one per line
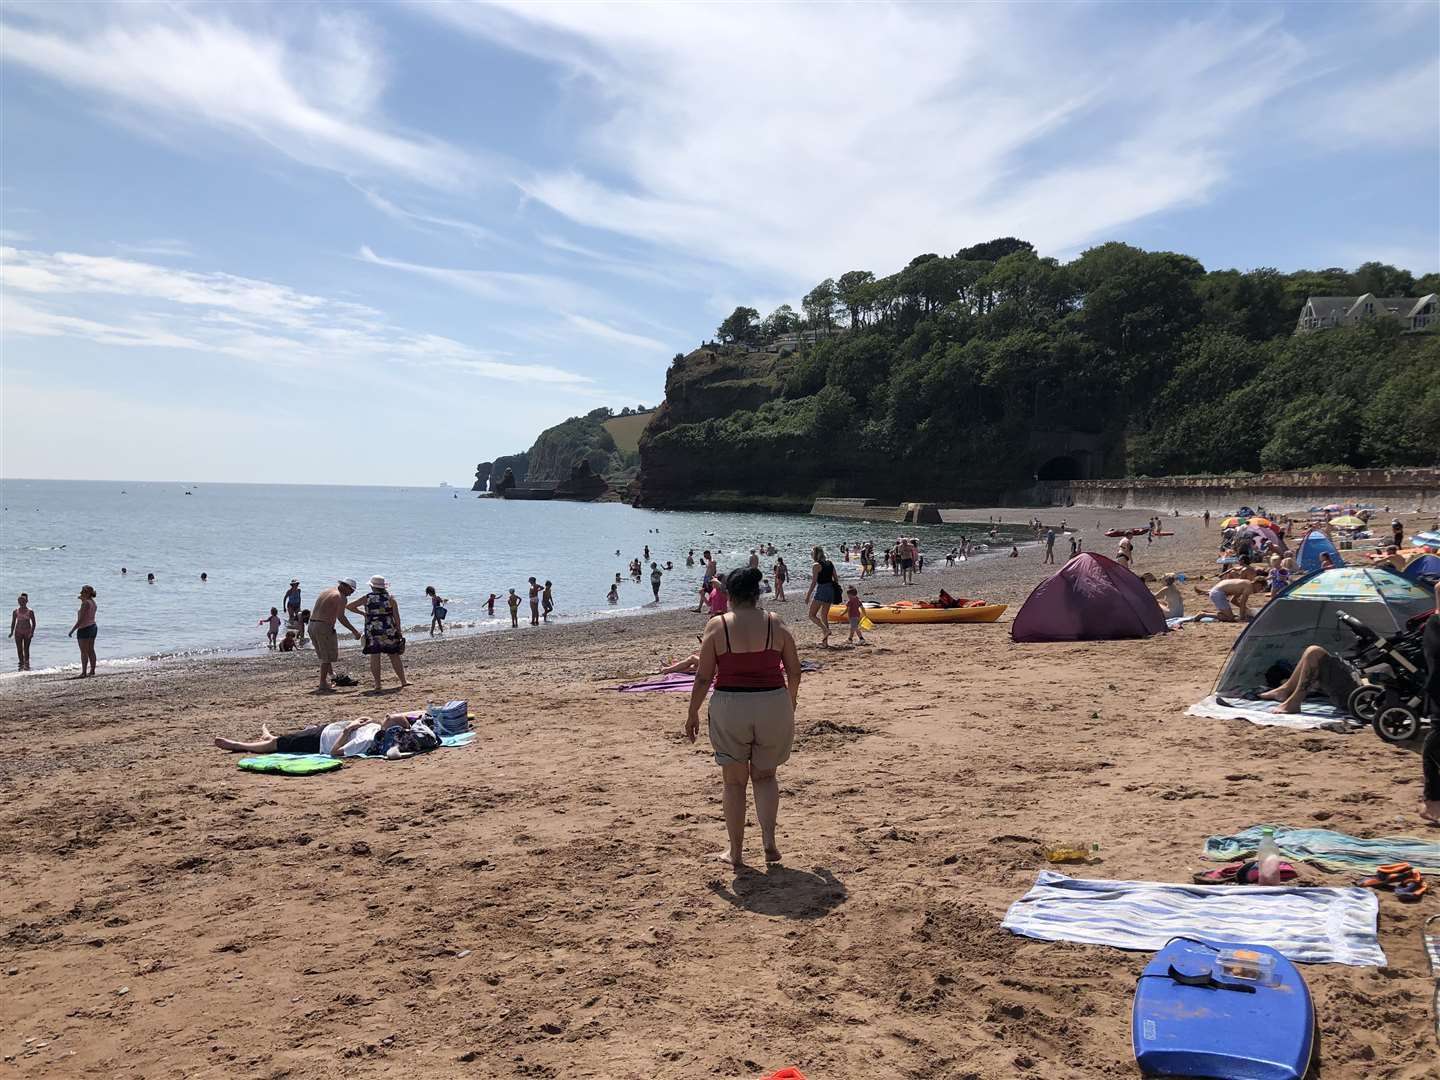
(728, 856)
(324, 688)
(1430, 811)
(772, 853)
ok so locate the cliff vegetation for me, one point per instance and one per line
(967, 376)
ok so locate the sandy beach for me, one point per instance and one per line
(544, 903)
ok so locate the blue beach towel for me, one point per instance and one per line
(1308, 926)
(463, 739)
(1332, 850)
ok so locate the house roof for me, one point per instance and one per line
(1329, 307)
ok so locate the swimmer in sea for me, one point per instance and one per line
(614, 594)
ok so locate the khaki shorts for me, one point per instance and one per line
(757, 728)
(327, 646)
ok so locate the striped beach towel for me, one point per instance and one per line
(1308, 926)
(1331, 850)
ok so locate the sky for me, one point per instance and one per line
(379, 243)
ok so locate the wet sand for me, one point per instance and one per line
(544, 903)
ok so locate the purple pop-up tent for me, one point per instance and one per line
(1089, 598)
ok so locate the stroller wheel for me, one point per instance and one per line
(1397, 724)
(1365, 702)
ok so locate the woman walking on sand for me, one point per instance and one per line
(824, 590)
(22, 629)
(85, 630)
(383, 636)
(751, 656)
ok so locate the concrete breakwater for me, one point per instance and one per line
(913, 513)
(1281, 492)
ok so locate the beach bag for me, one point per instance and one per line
(416, 739)
(452, 718)
(441, 612)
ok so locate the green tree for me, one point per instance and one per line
(1314, 429)
(1383, 279)
(820, 304)
(741, 326)
(853, 289)
(782, 320)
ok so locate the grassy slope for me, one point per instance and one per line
(625, 430)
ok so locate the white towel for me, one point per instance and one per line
(1312, 715)
(1306, 925)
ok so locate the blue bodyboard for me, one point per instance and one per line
(1254, 1033)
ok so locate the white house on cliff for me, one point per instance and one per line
(1327, 312)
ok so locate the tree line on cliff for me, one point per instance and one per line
(958, 359)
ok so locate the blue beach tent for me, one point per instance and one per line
(1424, 571)
(1303, 614)
(1315, 544)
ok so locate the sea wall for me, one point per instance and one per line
(872, 510)
(1280, 492)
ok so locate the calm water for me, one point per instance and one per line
(252, 539)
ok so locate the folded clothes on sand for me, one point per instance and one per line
(1331, 850)
(664, 684)
(1308, 926)
(1312, 715)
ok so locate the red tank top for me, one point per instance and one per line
(756, 670)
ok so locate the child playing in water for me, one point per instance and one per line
(853, 610)
(288, 644)
(274, 632)
(490, 605)
(514, 601)
(614, 594)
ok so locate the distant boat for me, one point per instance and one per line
(444, 484)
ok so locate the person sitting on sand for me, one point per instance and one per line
(1392, 559)
(1231, 597)
(751, 656)
(342, 738)
(1014, 552)
(1326, 561)
(288, 642)
(1171, 598)
(1319, 670)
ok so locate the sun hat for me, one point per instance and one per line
(294, 581)
(349, 583)
(379, 582)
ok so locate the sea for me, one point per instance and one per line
(251, 539)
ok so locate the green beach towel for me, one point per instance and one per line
(291, 764)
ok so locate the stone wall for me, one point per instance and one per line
(1280, 492)
(872, 510)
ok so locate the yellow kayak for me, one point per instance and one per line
(986, 613)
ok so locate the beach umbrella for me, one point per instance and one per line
(1266, 522)
(1230, 523)
(1349, 521)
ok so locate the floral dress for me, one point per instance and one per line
(382, 632)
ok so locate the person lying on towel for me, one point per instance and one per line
(343, 738)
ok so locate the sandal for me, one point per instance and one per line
(1412, 892)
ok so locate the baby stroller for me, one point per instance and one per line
(1392, 698)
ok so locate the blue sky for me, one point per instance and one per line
(379, 243)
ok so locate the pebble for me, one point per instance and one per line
(123, 991)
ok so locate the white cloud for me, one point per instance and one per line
(161, 247)
(226, 315)
(311, 95)
(605, 332)
(802, 140)
(1395, 110)
(478, 233)
(501, 286)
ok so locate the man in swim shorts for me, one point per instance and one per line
(329, 607)
(1231, 597)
